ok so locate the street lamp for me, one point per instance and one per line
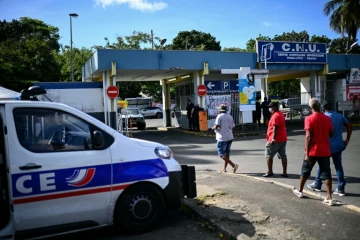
(352, 45)
(162, 43)
(72, 15)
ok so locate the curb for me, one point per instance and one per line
(219, 228)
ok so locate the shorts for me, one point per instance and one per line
(223, 147)
(324, 166)
(277, 147)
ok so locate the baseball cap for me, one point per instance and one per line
(326, 105)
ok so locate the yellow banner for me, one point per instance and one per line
(122, 103)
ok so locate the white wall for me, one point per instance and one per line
(305, 90)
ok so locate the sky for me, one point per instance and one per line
(232, 22)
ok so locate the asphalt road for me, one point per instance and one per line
(176, 226)
(248, 152)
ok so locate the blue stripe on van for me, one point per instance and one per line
(86, 177)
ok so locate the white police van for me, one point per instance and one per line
(62, 170)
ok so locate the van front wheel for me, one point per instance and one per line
(139, 209)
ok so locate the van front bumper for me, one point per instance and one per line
(181, 184)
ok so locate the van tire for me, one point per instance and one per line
(139, 209)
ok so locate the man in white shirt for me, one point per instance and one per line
(223, 126)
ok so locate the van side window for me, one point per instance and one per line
(50, 130)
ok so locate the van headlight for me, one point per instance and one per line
(164, 152)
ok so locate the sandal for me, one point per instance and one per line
(235, 168)
(222, 171)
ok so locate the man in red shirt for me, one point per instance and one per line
(318, 129)
(276, 139)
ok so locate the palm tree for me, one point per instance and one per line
(344, 18)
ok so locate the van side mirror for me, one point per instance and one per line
(98, 139)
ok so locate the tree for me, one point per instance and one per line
(64, 61)
(339, 46)
(195, 40)
(28, 49)
(250, 44)
(234, 49)
(344, 17)
(293, 36)
(285, 89)
(129, 89)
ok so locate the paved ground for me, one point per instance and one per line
(250, 208)
(176, 227)
(248, 152)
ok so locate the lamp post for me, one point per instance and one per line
(352, 45)
(72, 15)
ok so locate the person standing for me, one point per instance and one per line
(224, 124)
(189, 108)
(356, 103)
(318, 129)
(195, 117)
(337, 145)
(258, 111)
(276, 138)
(266, 112)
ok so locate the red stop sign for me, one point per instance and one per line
(112, 92)
(202, 90)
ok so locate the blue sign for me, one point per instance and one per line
(291, 52)
(228, 86)
(247, 95)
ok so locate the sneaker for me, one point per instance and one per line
(329, 202)
(313, 187)
(235, 168)
(298, 193)
(341, 193)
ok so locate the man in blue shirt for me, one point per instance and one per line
(337, 145)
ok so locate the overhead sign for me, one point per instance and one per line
(247, 94)
(228, 86)
(351, 91)
(354, 77)
(112, 92)
(291, 52)
(201, 90)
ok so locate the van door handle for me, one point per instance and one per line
(30, 166)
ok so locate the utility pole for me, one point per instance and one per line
(72, 15)
(152, 39)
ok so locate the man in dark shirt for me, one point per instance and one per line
(266, 112)
(189, 108)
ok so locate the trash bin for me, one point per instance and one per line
(203, 121)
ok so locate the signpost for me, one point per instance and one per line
(228, 86)
(201, 90)
(291, 52)
(112, 92)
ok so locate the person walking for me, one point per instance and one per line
(337, 146)
(318, 129)
(224, 124)
(189, 108)
(276, 138)
(266, 112)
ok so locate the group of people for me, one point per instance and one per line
(323, 139)
(192, 113)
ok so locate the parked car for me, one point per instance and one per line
(138, 120)
(152, 112)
